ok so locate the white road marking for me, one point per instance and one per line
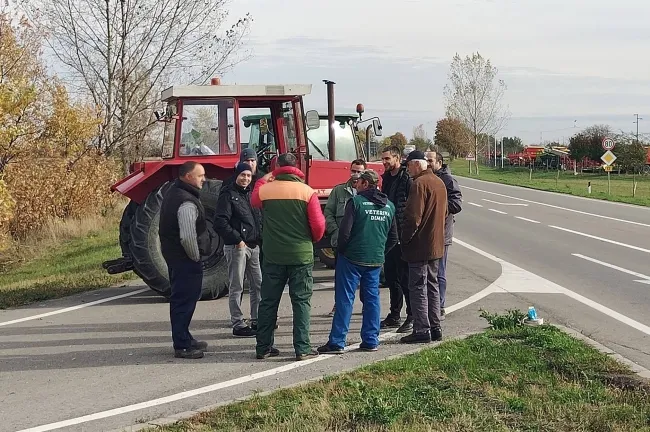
(505, 204)
(474, 204)
(601, 239)
(561, 208)
(646, 279)
(527, 220)
(236, 381)
(514, 280)
(72, 308)
(497, 211)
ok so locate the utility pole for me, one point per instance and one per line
(637, 126)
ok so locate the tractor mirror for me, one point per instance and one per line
(312, 119)
(376, 127)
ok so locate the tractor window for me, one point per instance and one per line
(289, 126)
(346, 149)
(208, 128)
(256, 132)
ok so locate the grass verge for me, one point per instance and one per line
(520, 378)
(621, 185)
(64, 267)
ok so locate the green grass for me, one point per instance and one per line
(621, 185)
(66, 268)
(516, 379)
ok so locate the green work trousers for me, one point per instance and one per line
(274, 279)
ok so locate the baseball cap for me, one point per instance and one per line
(416, 155)
(248, 153)
(370, 176)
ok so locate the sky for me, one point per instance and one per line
(567, 64)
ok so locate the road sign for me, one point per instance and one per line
(607, 168)
(608, 144)
(469, 157)
(608, 157)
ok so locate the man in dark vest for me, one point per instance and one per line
(184, 237)
(368, 231)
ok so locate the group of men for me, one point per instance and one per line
(401, 222)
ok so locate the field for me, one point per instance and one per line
(524, 378)
(566, 182)
(64, 267)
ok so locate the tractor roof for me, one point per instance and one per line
(337, 117)
(208, 91)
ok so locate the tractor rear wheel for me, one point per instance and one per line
(144, 245)
(327, 257)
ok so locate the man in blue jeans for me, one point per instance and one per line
(366, 233)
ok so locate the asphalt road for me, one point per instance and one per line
(102, 360)
(598, 250)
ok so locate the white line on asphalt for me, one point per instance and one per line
(222, 385)
(497, 211)
(505, 204)
(615, 267)
(514, 279)
(73, 308)
(527, 220)
(474, 204)
(560, 208)
(601, 239)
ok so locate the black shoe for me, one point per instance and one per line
(189, 353)
(436, 335)
(307, 356)
(271, 352)
(244, 332)
(407, 327)
(390, 323)
(329, 349)
(200, 345)
(417, 338)
(254, 325)
(367, 348)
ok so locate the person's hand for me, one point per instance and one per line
(268, 177)
(241, 245)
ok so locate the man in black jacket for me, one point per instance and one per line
(184, 237)
(454, 205)
(240, 227)
(249, 157)
(396, 184)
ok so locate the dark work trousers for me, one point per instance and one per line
(442, 277)
(396, 273)
(425, 296)
(186, 278)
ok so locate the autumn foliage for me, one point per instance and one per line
(49, 166)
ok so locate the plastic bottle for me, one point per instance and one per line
(532, 313)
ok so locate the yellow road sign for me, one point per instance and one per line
(607, 168)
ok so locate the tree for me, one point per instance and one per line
(122, 53)
(398, 139)
(512, 145)
(588, 143)
(631, 155)
(420, 139)
(475, 97)
(453, 136)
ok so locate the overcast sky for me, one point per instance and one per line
(584, 60)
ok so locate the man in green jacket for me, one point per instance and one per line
(335, 207)
(293, 222)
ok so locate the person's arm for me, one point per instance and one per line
(222, 221)
(454, 196)
(187, 215)
(392, 239)
(256, 202)
(330, 214)
(315, 218)
(345, 230)
(412, 213)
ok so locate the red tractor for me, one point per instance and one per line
(206, 124)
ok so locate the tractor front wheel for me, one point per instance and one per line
(144, 245)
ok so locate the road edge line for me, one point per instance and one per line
(169, 420)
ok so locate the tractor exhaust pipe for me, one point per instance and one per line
(330, 119)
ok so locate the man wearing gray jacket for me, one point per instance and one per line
(184, 237)
(454, 204)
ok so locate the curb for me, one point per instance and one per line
(637, 369)
(168, 420)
